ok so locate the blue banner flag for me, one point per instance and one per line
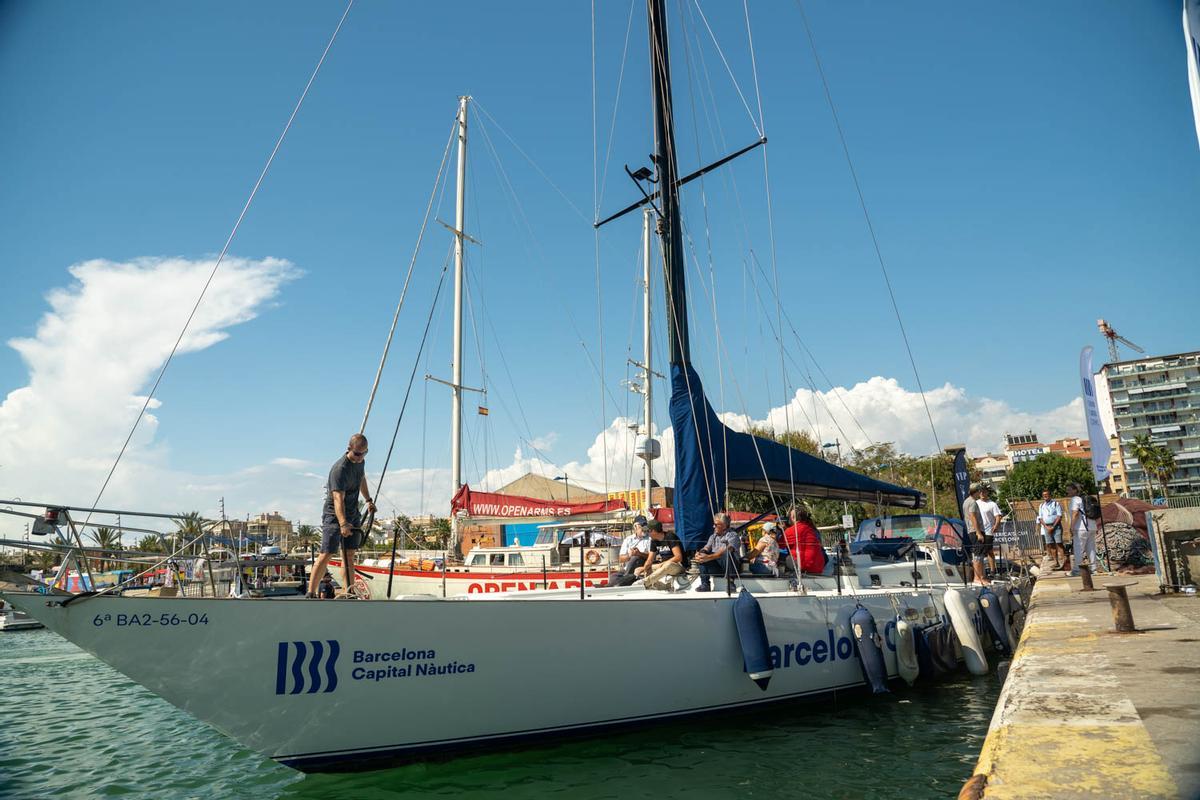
(962, 479)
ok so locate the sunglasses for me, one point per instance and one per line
(357, 454)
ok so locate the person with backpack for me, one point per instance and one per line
(1084, 514)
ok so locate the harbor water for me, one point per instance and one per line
(71, 727)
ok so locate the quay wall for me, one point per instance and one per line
(1089, 713)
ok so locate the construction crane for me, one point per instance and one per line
(1114, 337)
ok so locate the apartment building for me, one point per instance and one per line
(1157, 396)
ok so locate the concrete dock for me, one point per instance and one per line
(1090, 713)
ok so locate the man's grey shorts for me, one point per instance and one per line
(332, 540)
(1052, 536)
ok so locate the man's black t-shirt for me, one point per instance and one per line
(663, 548)
(345, 476)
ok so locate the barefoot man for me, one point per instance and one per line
(341, 524)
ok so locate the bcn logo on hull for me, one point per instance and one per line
(307, 667)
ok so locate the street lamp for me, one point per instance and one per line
(566, 486)
(835, 443)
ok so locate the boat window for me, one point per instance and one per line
(951, 535)
(515, 560)
(479, 560)
(497, 560)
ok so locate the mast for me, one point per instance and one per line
(670, 229)
(650, 448)
(648, 409)
(456, 377)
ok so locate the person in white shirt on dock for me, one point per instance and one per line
(1083, 531)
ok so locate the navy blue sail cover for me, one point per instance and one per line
(711, 459)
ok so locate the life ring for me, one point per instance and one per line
(592, 557)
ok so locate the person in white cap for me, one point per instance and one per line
(634, 549)
(764, 558)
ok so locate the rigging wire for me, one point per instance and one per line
(521, 220)
(616, 101)
(596, 249)
(213, 273)
(416, 363)
(862, 201)
(755, 122)
(707, 234)
(408, 277)
(771, 235)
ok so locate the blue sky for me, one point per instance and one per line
(1028, 169)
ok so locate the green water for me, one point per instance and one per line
(70, 727)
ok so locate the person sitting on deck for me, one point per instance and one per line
(665, 560)
(325, 591)
(764, 558)
(804, 543)
(635, 549)
(719, 554)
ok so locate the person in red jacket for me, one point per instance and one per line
(804, 543)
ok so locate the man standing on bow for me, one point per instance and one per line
(341, 522)
(975, 540)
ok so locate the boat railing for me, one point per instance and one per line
(177, 571)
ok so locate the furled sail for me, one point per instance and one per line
(711, 458)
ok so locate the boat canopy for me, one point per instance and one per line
(711, 458)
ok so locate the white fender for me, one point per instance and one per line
(906, 651)
(961, 605)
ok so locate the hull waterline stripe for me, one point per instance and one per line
(327, 757)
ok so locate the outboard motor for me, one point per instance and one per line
(993, 616)
(752, 635)
(870, 650)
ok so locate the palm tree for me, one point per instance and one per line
(150, 544)
(106, 539)
(307, 536)
(1162, 465)
(45, 559)
(1142, 448)
(1156, 461)
(188, 526)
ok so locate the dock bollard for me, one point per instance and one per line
(1085, 573)
(1119, 600)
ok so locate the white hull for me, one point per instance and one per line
(394, 681)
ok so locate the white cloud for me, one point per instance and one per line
(90, 360)
(886, 411)
(291, 463)
(98, 348)
(544, 443)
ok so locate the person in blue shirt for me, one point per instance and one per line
(719, 556)
(1050, 523)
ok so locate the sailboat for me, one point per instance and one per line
(354, 685)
